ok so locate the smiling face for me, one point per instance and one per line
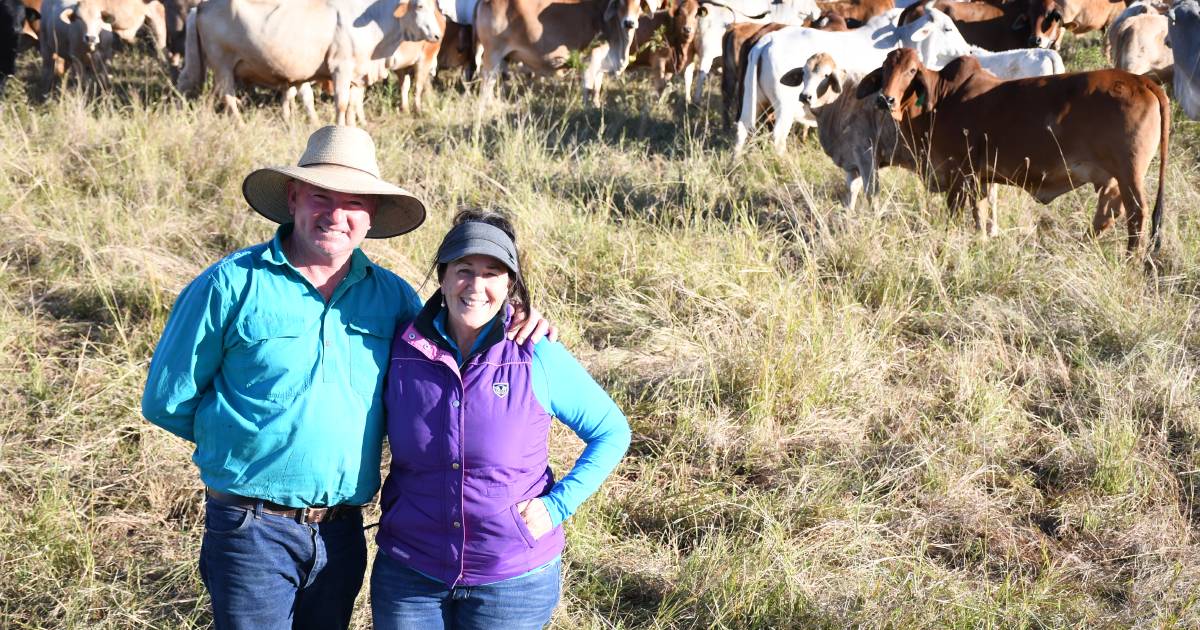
(329, 225)
(474, 288)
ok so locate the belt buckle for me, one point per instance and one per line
(302, 515)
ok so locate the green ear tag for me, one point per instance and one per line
(921, 100)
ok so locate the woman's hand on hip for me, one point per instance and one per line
(536, 516)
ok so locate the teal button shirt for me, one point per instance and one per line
(279, 389)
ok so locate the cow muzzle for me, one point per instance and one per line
(628, 24)
(885, 102)
(804, 98)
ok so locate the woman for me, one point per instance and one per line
(471, 533)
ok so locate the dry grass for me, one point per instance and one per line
(841, 419)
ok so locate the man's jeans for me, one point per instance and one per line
(269, 572)
(403, 599)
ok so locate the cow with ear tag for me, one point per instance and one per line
(1100, 128)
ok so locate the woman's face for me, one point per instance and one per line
(475, 287)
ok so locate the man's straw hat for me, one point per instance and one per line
(341, 159)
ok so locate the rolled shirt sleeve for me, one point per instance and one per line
(568, 392)
(187, 357)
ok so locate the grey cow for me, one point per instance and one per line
(1183, 29)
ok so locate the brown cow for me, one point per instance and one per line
(542, 33)
(678, 24)
(858, 10)
(992, 26)
(1049, 19)
(1100, 128)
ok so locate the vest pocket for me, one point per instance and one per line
(521, 527)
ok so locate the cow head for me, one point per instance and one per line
(620, 23)
(1044, 20)
(91, 19)
(418, 20)
(819, 79)
(685, 18)
(936, 38)
(830, 21)
(903, 85)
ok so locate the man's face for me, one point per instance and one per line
(329, 225)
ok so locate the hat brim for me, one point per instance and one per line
(398, 211)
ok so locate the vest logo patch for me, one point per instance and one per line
(500, 389)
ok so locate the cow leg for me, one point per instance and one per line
(156, 19)
(358, 94)
(593, 75)
(224, 86)
(854, 185)
(306, 97)
(343, 94)
(689, 72)
(1133, 197)
(783, 126)
(985, 208)
(285, 103)
(962, 192)
(1108, 209)
(422, 80)
(405, 86)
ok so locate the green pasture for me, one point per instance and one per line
(841, 419)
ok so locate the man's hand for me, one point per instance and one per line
(533, 326)
(536, 517)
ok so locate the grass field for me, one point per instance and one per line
(868, 418)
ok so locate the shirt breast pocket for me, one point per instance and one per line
(275, 359)
(370, 344)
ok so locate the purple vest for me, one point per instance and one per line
(466, 448)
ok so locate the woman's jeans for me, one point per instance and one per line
(403, 599)
(270, 572)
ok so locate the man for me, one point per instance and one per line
(272, 363)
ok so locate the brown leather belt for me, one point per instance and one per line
(300, 515)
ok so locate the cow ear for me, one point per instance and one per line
(1055, 16)
(923, 97)
(647, 8)
(401, 9)
(835, 81)
(1020, 23)
(793, 77)
(870, 84)
(702, 11)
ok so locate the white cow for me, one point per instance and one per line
(716, 16)
(1007, 64)
(858, 51)
(1138, 41)
(282, 43)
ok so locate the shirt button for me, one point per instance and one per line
(411, 336)
(454, 465)
(454, 404)
(328, 343)
(457, 525)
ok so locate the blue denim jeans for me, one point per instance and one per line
(403, 599)
(269, 572)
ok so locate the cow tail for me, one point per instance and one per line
(748, 86)
(191, 77)
(1164, 115)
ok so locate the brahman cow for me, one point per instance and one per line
(66, 46)
(857, 50)
(1138, 40)
(1184, 30)
(124, 18)
(675, 55)
(542, 33)
(176, 23)
(856, 10)
(1101, 128)
(738, 40)
(414, 64)
(854, 133)
(717, 17)
(1049, 19)
(282, 43)
(994, 26)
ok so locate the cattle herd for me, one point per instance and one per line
(970, 94)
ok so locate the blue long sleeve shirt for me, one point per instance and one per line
(279, 389)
